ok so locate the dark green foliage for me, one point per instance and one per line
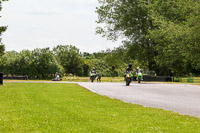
(2, 49)
(112, 63)
(65, 59)
(130, 20)
(44, 63)
(36, 64)
(9, 63)
(177, 37)
(162, 35)
(70, 58)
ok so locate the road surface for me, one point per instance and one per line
(180, 98)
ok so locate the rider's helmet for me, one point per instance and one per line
(93, 68)
(130, 65)
(138, 68)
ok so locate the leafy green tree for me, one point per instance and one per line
(44, 64)
(2, 29)
(87, 66)
(162, 35)
(70, 58)
(25, 61)
(36, 64)
(9, 63)
(177, 35)
(129, 19)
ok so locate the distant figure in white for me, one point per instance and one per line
(93, 74)
(57, 77)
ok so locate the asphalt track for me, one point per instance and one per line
(180, 98)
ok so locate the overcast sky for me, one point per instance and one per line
(47, 23)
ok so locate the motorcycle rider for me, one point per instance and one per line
(57, 77)
(93, 70)
(128, 69)
(138, 70)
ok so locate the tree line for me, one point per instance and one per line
(67, 60)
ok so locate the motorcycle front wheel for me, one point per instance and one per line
(128, 81)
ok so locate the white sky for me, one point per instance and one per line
(47, 23)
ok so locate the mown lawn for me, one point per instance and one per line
(31, 107)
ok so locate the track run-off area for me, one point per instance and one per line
(180, 98)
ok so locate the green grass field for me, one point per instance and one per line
(39, 108)
(82, 79)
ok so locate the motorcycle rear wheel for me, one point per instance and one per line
(139, 79)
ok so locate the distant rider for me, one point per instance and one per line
(138, 70)
(93, 70)
(57, 77)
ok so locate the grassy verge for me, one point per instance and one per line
(81, 79)
(87, 79)
(70, 108)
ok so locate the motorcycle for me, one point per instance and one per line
(128, 78)
(57, 79)
(139, 77)
(92, 77)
